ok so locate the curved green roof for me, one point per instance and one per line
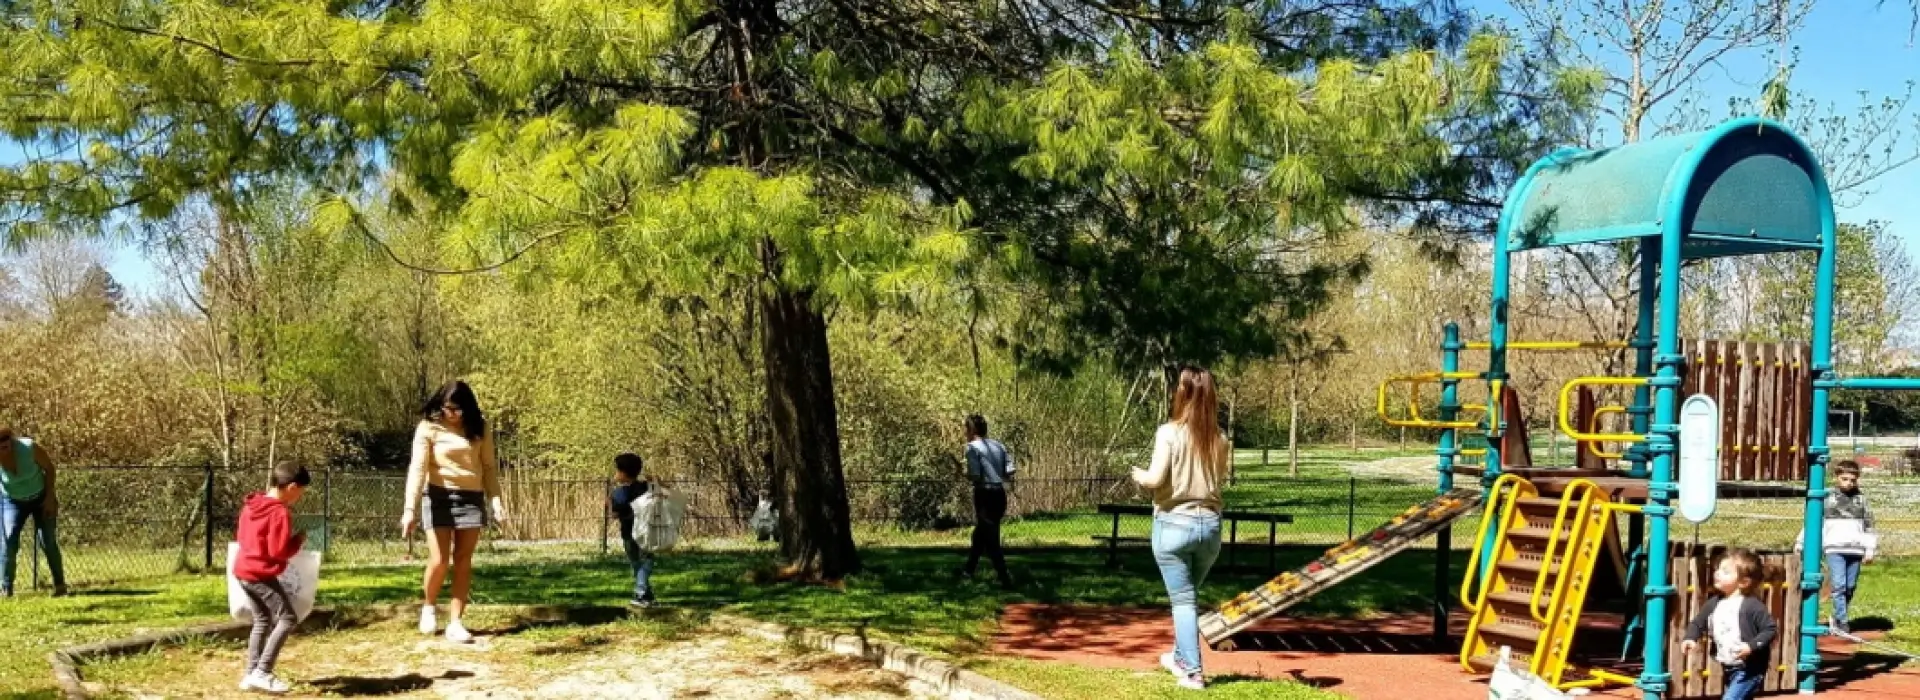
(1746, 186)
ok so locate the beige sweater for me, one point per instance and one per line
(1181, 479)
(447, 459)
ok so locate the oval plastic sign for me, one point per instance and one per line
(1699, 457)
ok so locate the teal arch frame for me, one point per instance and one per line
(1689, 169)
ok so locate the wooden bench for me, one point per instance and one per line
(1232, 518)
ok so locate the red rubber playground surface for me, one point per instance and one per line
(1391, 658)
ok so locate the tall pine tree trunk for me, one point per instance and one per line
(816, 525)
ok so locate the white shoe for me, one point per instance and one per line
(1191, 680)
(457, 632)
(428, 625)
(265, 683)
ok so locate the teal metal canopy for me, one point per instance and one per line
(1747, 186)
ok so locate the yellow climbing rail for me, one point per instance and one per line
(1504, 509)
(1593, 425)
(1566, 409)
(1555, 345)
(1585, 490)
(1413, 418)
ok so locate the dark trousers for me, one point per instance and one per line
(273, 620)
(989, 508)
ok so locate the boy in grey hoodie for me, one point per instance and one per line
(1847, 538)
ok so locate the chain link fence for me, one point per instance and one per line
(121, 523)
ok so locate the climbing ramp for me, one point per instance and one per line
(1338, 564)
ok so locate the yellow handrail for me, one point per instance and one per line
(1555, 345)
(1521, 488)
(1486, 520)
(1586, 489)
(1593, 423)
(1566, 409)
(1415, 380)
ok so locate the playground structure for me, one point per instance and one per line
(1550, 539)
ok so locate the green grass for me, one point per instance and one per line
(907, 595)
(1058, 680)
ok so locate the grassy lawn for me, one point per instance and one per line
(906, 595)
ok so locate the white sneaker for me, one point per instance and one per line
(265, 683)
(457, 632)
(428, 625)
(1191, 680)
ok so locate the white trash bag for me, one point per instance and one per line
(656, 520)
(763, 521)
(300, 580)
(1510, 682)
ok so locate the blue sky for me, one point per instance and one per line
(1847, 47)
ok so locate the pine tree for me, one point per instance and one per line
(1143, 169)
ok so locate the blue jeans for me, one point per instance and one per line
(1184, 546)
(641, 561)
(13, 519)
(1742, 684)
(1845, 572)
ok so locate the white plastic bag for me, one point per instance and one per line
(763, 520)
(1510, 682)
(656, 520)
(301, 580)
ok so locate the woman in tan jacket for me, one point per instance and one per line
(1189, 468)
(455, 468)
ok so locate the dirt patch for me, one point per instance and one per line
(1389, 658)
(621, 660)
(1415, 468)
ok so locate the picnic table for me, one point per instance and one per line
(1232, 519)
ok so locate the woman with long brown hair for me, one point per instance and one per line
(455, 468)
(1191, 459)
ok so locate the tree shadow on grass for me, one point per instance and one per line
(360, 686)
(909, 594)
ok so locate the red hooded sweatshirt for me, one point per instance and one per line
(266, 538)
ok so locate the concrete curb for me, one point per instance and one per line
(955, 682)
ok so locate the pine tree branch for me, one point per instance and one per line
(360, 226)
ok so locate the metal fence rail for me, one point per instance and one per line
(120, 523)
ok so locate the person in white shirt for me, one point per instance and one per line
(990, 468)
(1847, 538)
(1738, 623)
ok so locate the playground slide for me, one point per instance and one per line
(1338, 564)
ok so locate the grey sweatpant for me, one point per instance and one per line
(273, 621)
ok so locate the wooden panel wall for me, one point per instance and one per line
(1698, 675)
(1765, 393)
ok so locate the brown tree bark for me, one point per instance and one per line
(816, 526)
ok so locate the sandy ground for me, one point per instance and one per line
(548, 663)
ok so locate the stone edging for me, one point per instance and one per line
(67, 661)
(945, 677)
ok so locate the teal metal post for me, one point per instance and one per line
(1642, 408)
(1643, 356)
(1661, 439)
(1879, 383)
(1817, 450)
(1450, 348)
(1497, 373)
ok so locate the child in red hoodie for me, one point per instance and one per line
(267, 540)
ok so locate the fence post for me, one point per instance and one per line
(326, 512)
(1351, 487)
(207, 506)
(606, 514)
